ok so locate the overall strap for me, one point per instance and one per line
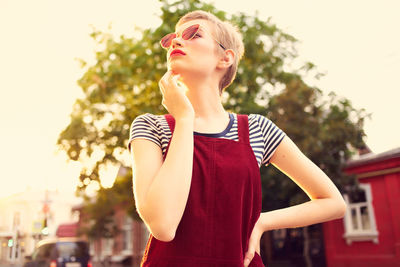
(171, 122)
(243, 128)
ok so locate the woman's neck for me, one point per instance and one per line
(206, 101)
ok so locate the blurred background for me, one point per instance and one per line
(75, 74)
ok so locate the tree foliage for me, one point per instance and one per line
(98, 213)
(123, 83)
(326, 131)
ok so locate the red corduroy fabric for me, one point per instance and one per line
(224, 203)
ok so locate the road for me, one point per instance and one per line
(2, 264)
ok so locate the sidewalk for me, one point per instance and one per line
(3, 264)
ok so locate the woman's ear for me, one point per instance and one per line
(226, 59)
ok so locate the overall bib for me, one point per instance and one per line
(223, 205)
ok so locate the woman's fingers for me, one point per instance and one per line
(174, 97)
(167, 80)
(249, 256)
(254, 243)
(164, 83)
(171, 80)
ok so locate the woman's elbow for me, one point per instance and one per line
(341, 207)
(161, 230)
(162, 233)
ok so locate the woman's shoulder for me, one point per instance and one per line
(149, 117)
(152, 120)
(257, 118)
(271, 134)
(148, 121)
(149, 126)
(262, 122)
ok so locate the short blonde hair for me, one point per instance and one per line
(228, 35)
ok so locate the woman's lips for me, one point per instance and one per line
(177, 52)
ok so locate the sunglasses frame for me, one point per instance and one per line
(191, 37)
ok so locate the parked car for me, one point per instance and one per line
(60, 252)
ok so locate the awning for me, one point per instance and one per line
(6, 234)
(67, 230)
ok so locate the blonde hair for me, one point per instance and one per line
(228, 35)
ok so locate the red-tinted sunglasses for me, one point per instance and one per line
(187, 34)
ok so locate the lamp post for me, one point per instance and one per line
(46, 211)
(14, 242)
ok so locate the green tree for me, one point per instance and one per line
(123, 83)
(327, 131)
(98, 213)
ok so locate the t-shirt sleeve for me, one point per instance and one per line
(144, 127)
(272, 136)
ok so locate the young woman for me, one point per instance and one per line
(196, 176)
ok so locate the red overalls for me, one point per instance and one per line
(224, 203)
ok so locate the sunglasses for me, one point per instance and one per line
(187, 34)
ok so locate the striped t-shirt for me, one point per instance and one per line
(264, 135)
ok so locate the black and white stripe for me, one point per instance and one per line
(264, 135)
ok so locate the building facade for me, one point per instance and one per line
(27, 217)
(126, 248)
(369, 234)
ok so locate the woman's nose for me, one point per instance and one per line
(177, 41)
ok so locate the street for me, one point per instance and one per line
(2, 264)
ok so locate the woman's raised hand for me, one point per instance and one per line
(174, 97)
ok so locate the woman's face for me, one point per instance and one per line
(200, 53)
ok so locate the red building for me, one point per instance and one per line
(369, 234)
(125, 248)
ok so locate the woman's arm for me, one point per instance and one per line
(162, 188)
(326, 201)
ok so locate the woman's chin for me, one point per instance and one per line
(176, 68)
(183, 70)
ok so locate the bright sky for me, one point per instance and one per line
(356, 43)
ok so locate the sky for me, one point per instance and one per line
(355, 43)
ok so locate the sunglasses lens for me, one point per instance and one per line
(189, 32)
(167, 39)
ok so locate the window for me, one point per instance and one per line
(107, 246)
(91, 247)
(127, 235)
(359, 220)
(76, 249)
(44, 252)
